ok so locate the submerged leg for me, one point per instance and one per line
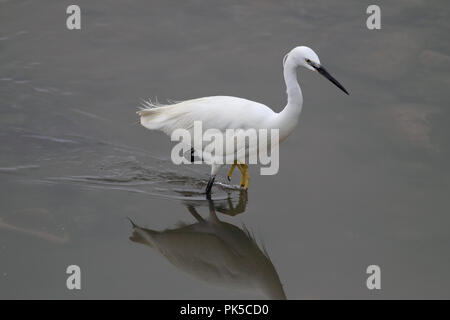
(209, 185)
(214, 170)
(194, 212)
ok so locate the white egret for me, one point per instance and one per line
(224, 112)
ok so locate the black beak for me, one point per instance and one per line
(325, 73)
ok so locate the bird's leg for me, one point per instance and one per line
(195, 214)
(209, 185)
(246, 175)
(241, 169)
(230, 173)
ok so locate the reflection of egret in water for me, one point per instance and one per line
(216, 252)
(224, 205)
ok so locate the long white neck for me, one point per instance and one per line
(287, 119)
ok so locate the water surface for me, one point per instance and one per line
(363, 180)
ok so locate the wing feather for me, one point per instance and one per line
(219, 112)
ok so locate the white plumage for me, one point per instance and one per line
(224, 112)
(219, 112)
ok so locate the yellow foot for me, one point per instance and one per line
(245, 175)
(247, 178)
(241, 168)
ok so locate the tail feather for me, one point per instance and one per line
(151, 117)
(148, 112)
(166, 117)
(149, 108)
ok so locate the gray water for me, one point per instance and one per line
(364, 179)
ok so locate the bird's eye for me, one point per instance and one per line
(308, 61)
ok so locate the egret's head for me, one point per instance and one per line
(306, 57)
